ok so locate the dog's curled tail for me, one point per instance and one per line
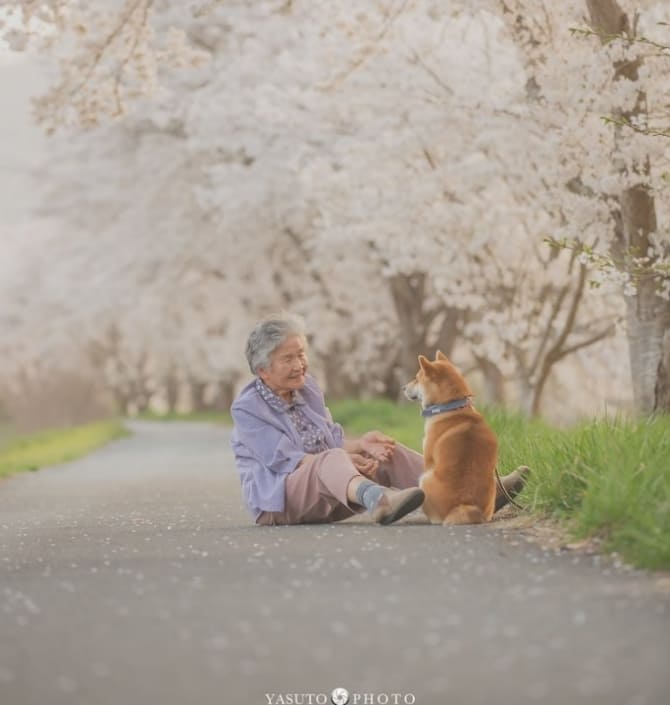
(465, 514)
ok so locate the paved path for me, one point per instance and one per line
(134, 576)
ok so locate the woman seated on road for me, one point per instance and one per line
(294, 463)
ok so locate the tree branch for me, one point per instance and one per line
(597, 337)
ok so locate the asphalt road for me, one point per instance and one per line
(135, 576)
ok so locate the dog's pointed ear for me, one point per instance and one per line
(425, 364)
(439, 355)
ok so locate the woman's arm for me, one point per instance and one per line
(269, 445)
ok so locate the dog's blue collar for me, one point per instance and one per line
(435, 409)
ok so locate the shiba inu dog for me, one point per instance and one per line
(460, 450)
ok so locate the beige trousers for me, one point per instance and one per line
(316, 491)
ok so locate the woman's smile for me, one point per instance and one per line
(288, 366)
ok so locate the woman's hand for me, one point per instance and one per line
(365, 464)
(377, 445)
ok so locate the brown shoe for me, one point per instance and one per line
(513, 484)
(394, 504)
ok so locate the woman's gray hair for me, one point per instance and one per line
(267, 335)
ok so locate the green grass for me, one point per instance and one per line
(31, 452)
(608, 478)
(401, 421)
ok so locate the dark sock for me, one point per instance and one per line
(368, 494)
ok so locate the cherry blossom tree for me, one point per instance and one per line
(457, 235)
(389, 172)
(621, 186)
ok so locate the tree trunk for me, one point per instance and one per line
(527, 397)
(408, 293)
(494, 382)
(198, 390)
(225, 393)
(662, 388)
(649, 349)
(338, 385)
(416, 334)
(172, 390)
(647, 314)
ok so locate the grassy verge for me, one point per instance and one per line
(401, 421)
(31, 452)
(606, 478)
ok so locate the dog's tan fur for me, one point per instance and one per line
(460, 450)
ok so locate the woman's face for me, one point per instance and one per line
(288, 365)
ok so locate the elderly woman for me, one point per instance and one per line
(294, 463)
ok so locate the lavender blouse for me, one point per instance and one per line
(270, 437)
